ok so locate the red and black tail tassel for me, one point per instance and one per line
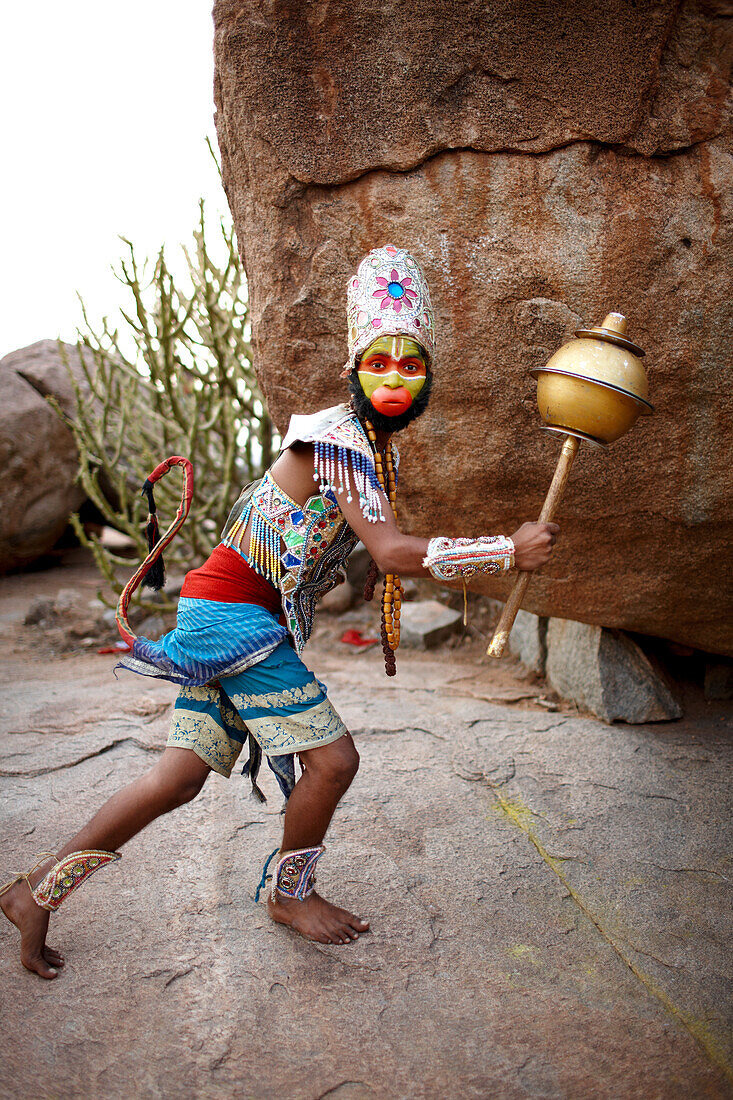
(155, 576)
(152, 572)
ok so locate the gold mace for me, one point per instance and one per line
(594, 389)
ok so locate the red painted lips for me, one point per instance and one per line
(391, 402)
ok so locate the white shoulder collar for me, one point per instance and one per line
(338, 425)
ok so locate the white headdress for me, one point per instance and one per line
(389, 296)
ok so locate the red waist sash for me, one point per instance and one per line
(228, 578)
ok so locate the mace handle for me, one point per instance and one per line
(552, 500)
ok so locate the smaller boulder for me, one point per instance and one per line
(41, 610)
(410, 589)
(38, 455)
(528, 641)
(69, 600)
(72, 612)
(339, 599)
(82, 627)
(426, 623)
(357, 567)
(154, 626)
(606, 672)
(108, 618)
(719, 680)
(174, 584)
(45, 366)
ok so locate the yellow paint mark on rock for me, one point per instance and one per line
(523, 951)
(516, 810)
(521, 816)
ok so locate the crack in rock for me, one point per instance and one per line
(174, 975)
(690, 871)
(436, 152)
(33, 773)
(380, 731)
(335, 1090)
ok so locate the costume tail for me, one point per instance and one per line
(152, 571)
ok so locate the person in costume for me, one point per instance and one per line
(246, 614)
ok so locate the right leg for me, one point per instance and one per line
(174, 780)
(280, 703)
(327, 774)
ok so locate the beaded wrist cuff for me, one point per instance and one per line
(449, 559)
(69, 873)
(295, 874)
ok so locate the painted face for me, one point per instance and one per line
(391, 373)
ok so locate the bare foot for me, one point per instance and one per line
(21, 910)
(316, 919)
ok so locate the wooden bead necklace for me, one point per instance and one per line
(392, 592)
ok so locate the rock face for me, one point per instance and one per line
(554, 163)
(38, 456)
(603, 671)
(606, 672)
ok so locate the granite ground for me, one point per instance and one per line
(549, 896)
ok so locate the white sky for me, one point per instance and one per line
(105, 112)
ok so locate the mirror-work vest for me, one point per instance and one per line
(302, 550)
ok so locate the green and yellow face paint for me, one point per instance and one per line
(392, 373)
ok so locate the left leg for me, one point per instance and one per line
(328, 773)
(174, 780)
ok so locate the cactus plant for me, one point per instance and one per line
(175, 376)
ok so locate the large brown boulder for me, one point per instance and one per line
(546, 163)
(38, 455)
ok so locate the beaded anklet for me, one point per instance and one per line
(295, 873)
(68, 875)
(64, 877)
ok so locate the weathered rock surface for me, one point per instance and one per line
(554, 163)
(38, 456)
(43, 367)
(608, 673)
(530, 80)
(550, 900)
(424, 624)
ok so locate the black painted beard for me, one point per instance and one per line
(365, 410)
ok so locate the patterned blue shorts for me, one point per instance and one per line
(277, 701)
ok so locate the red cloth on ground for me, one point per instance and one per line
(228, 578)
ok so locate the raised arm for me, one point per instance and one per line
(392, 550)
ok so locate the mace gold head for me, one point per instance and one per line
(595, 387)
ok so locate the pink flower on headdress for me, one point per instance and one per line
(394, 292)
